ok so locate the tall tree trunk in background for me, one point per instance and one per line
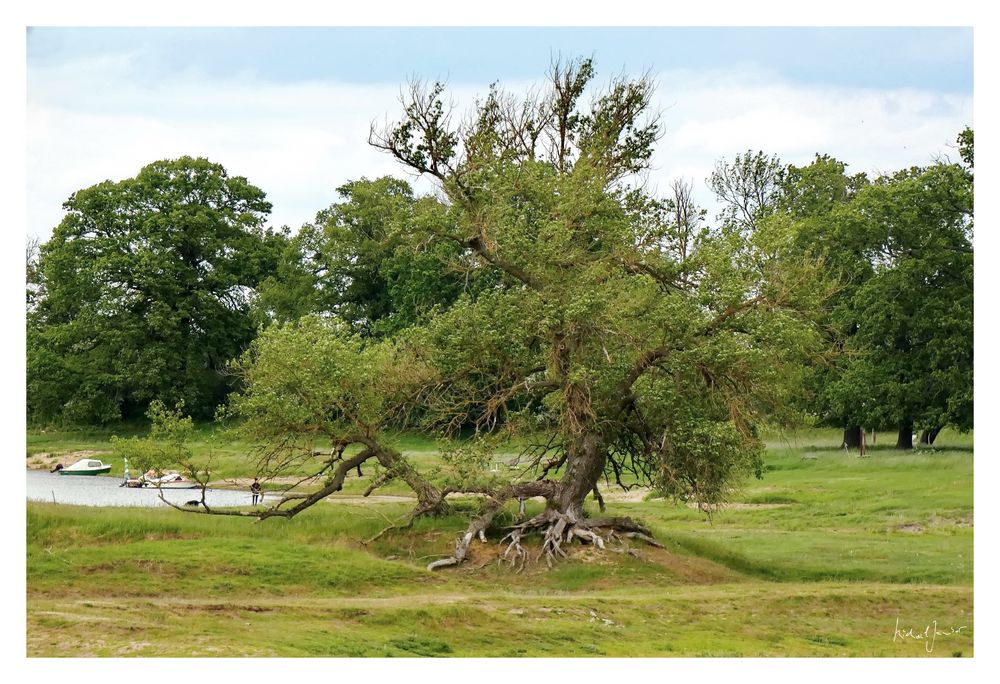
(927, 437)
(852, 438)
(905, 439)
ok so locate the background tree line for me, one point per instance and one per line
(900, 324)
(150, 287)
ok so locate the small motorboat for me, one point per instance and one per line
(86, 466)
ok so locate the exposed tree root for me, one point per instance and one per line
(476, 529)
(644, 537)
(557, 529)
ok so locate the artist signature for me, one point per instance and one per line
(929, 635)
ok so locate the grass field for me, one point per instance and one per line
(828, 555)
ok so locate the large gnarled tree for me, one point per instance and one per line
(629, 346)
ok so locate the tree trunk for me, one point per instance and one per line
(583, 469)
(905, 438)
(852, 438)
(927, 437)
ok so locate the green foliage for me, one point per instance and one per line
(809, 193)
(966, 140)
(748, 188)
(916, 311)
(899, 323)
(363, 260)
(315, 384)
(318, 375)
(815, 200)
(624, 323)
(901, 245)
(146, 285)
(167, 444)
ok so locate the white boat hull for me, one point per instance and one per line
(173, 485)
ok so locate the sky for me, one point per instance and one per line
(290, 108)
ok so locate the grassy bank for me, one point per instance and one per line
(821, 557)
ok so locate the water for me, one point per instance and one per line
(97, 490)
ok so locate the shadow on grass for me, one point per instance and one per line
(770, 571)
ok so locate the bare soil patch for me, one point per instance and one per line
(44, 460)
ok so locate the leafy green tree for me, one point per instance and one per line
(817, 197)
(748, 188)
(147, 289)
(357, 261)
(899, 324)
(901, 319)
(631, 358)
(911, 357)
(167, 444)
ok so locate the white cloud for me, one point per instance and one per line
(716, 116)
(93, 120)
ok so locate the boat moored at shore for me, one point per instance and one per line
(86, 466)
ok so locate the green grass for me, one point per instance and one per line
(827, 551)
(894, 516)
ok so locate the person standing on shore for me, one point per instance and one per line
(255, 491)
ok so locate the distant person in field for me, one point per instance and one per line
(255, 490)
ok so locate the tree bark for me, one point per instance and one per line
(905, 438)
(583, 470)
(429, 497)
(852, 438)
(928, 436)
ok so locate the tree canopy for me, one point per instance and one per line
(910, 354)
(899, 325)
(359, 262)
(147, 285)
(900, 245)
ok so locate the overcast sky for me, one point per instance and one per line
(290, 109)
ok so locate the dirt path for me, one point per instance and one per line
(506, 599)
